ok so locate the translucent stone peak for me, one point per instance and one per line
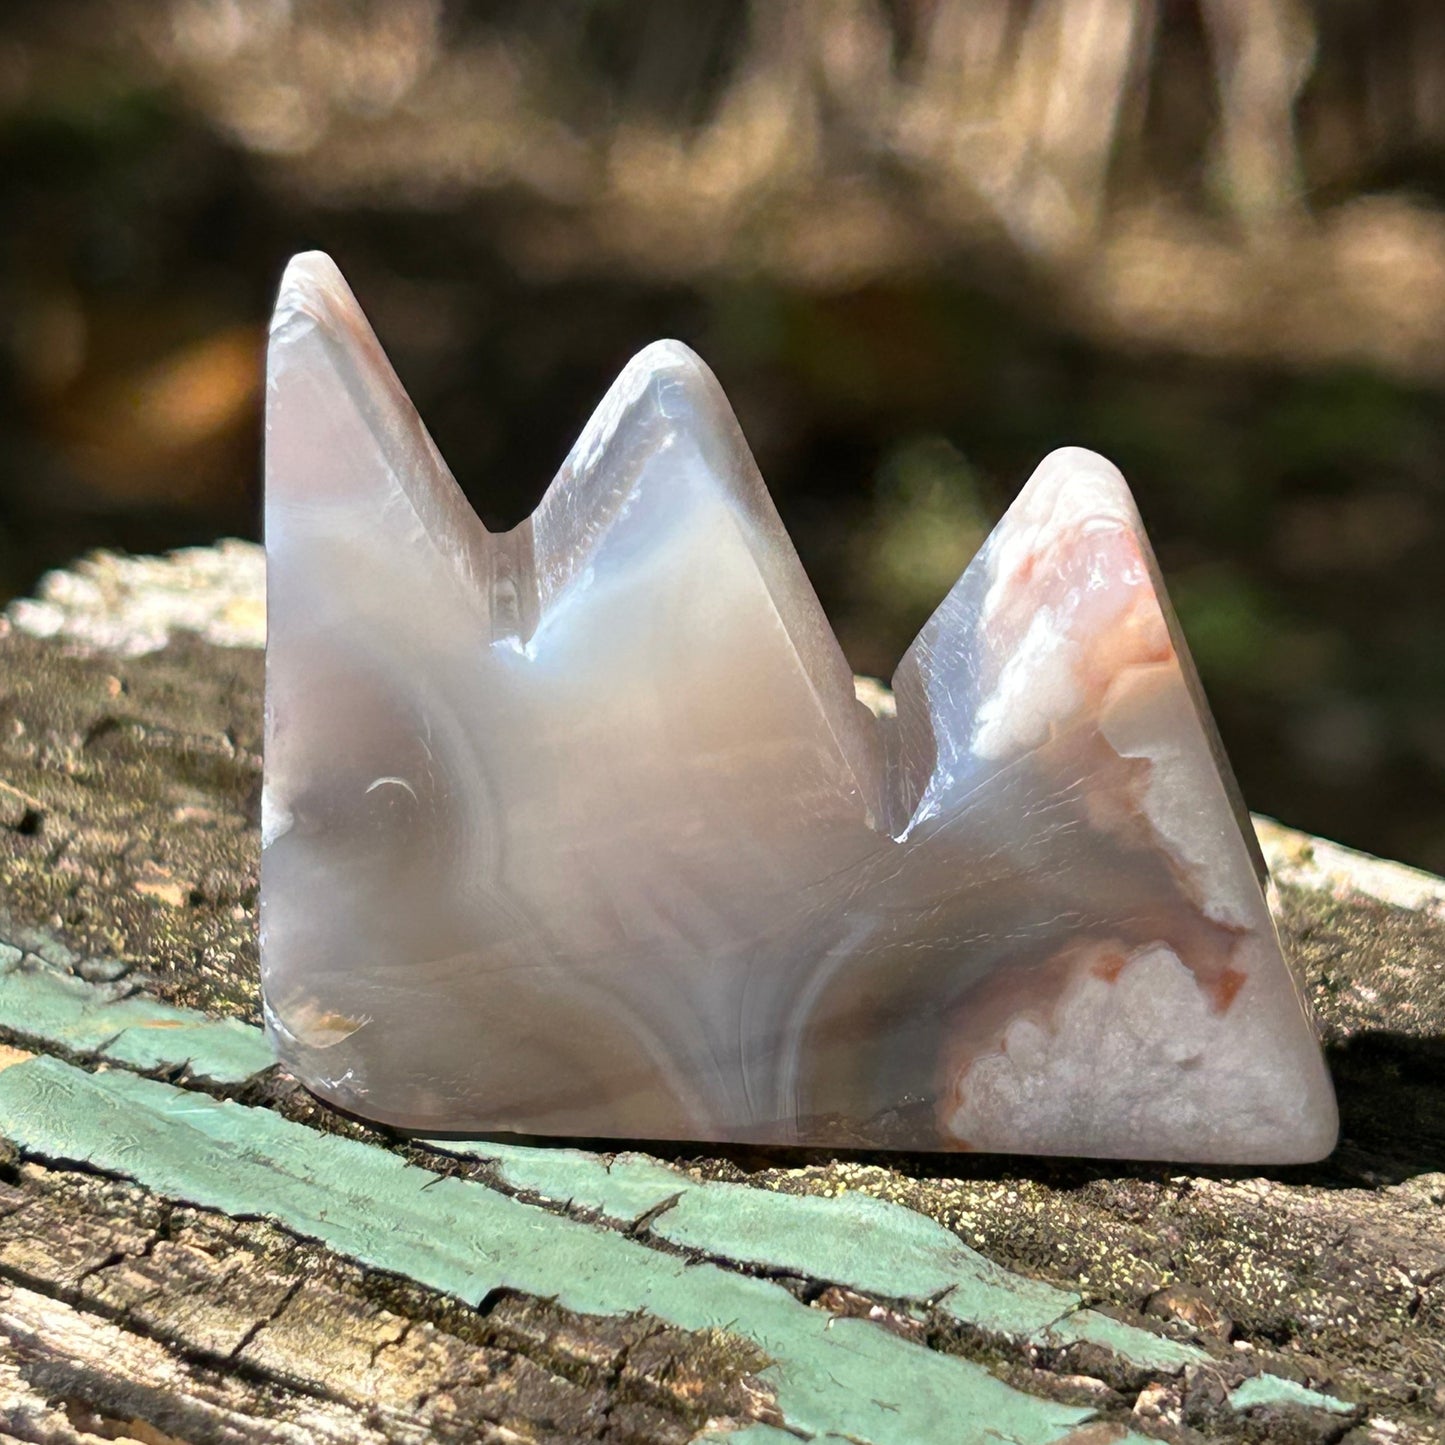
(579, 830)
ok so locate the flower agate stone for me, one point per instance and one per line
(579, 829)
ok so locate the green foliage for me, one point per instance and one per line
(929, 520)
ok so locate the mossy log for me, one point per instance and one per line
(192, 1249)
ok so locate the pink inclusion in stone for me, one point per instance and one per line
(580, 830)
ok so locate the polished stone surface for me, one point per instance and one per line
(580, 830)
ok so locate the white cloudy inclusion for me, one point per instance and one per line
(579, 830)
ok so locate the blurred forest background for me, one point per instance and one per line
(920, 242)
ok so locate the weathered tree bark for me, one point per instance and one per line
(166, 1272)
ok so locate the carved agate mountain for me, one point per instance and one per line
(579, 829)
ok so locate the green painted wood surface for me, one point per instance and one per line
(65, 1012)
(1268, 1390)
(846, 1377)
(867, 1244)
(466, 1239)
